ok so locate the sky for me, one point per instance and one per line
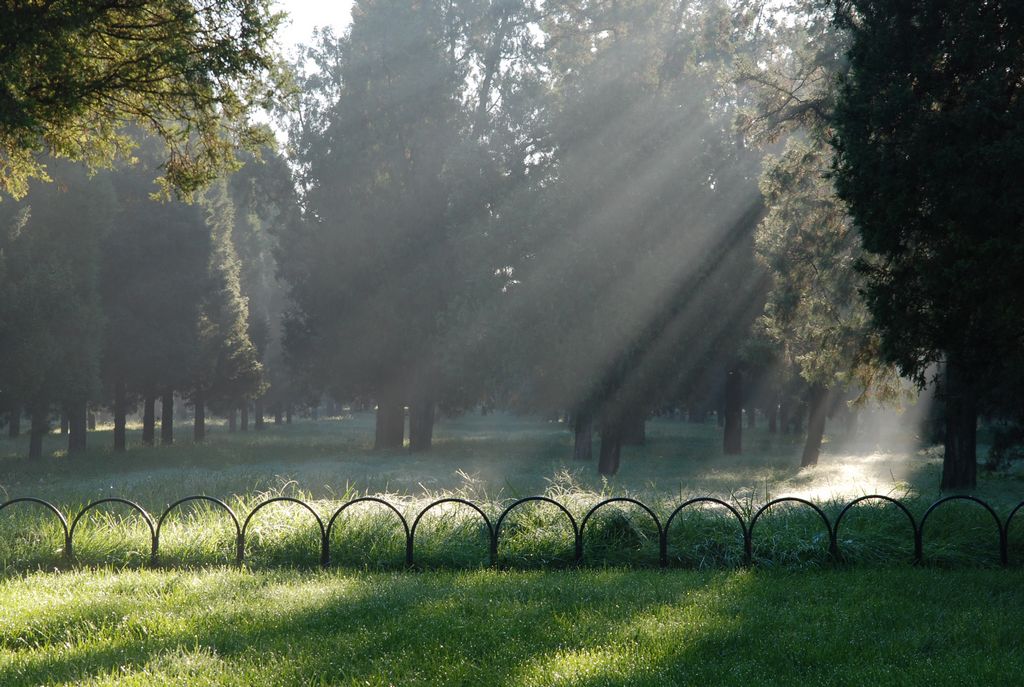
(304, 15)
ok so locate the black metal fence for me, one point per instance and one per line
(747, 529)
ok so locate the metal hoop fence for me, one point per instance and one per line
(324, 526)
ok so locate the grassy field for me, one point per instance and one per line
(796, 616)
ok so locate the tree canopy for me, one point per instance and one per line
(75, 75)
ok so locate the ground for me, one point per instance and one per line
(795, 616)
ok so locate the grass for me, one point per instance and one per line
(588, 627)
(798, 615)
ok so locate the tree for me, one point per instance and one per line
(73, 76)
(814, 312)
(226, 366)
(929, 145)
(50, 317)
(161, 250)
(647, 218)
(376, 271)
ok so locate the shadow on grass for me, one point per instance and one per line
(608, 627)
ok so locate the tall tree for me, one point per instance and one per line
(160, 249)
(226, 366)
(373, 271)
(929, 147)
(51, 317)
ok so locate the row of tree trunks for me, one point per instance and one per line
(421, 424)
(389, 432)
(732, 442)
(167, 418)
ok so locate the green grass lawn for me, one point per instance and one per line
(797, 616)
(593, 627)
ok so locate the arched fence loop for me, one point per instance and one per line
(114, 499)
(50, 507)
(577, 541)
(749, 553)
(694, 501)
(284, 499)
(1004, 555)
(409, 554)
(886, 499)
(662, 554)
(494, 530)
(363, 499)
(209, 499)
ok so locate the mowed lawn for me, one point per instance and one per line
(895, 626)
(108, 619)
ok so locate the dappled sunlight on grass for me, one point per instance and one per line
(599, 627)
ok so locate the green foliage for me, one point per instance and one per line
(75, 75)
(227, 367)
(814, 309)
(928, 138)
(161, 251)
(51, 321)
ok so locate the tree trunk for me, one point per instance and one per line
(751, 418)
(288, 414)
(257, 408)
(64, 423)
(819, 401)
(14, 423)
(199, 425)
(784, 419)
(167, 418)
(245, 417)
(233, 420)
(78, 423)
(277, 413)
(148, 420)
(960, 460)
(634, 429)
(611, 449)
(421, 425)
(390, 424)
(583, 438)
(92, 421)
(39, 427)
(773, 418)
(733, 436)
(120, 418)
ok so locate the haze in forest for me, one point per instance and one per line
(591, 214)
